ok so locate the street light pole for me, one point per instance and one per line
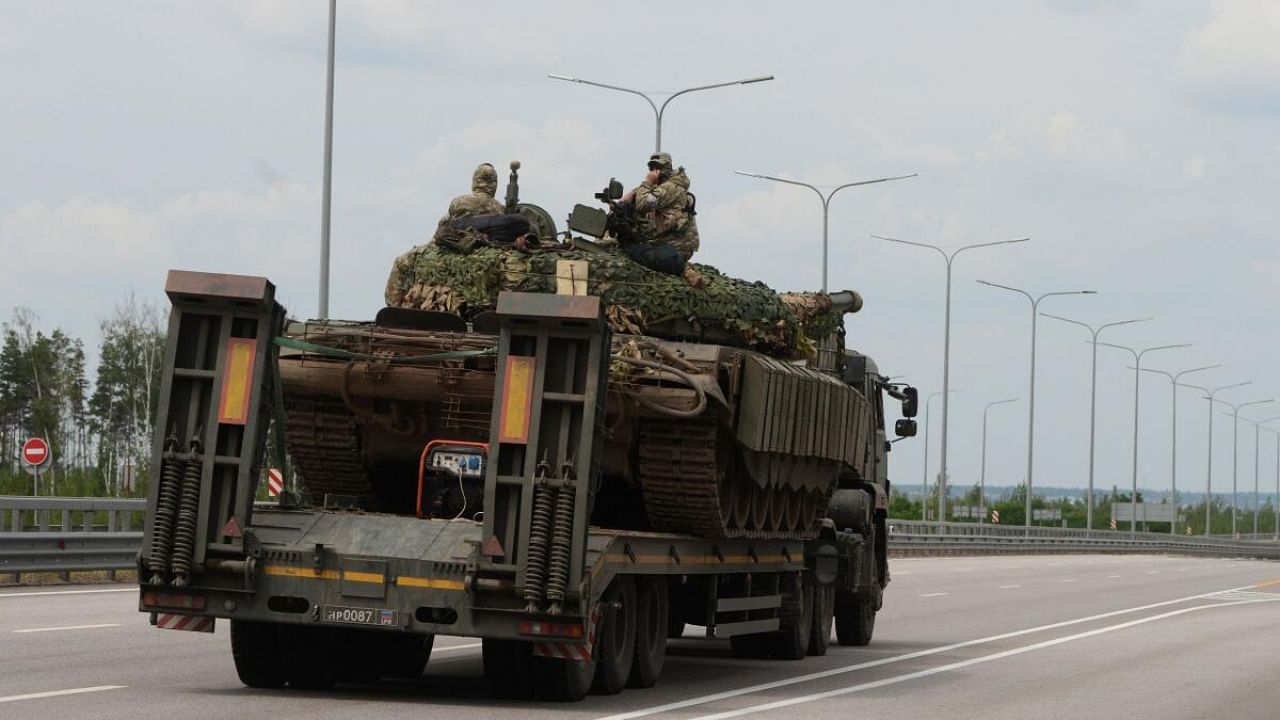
(659, 110)
(924, 484)
(1173, 451)
(1093, 395)
(946, 349)
(1235, 451)
(826, 203)
(1137, 384)
(327, 187)
(1212, 396)
(982, 477)
(1031, 403)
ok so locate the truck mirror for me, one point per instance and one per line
(905, 427)
(910, 402)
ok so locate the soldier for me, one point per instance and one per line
(665, 200)
(481, 200)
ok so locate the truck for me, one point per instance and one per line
(570, 495)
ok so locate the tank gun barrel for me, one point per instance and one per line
(846, 301)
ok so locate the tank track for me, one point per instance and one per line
(324, 444)
(691, 484)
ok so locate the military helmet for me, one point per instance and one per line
(662, 160)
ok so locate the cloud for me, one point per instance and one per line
(1233, 60)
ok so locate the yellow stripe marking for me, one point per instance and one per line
(696, 560)
(364, 577)
(433, 583)
(297, 572)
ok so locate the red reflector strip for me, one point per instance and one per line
(190, 623)
(173, 600)
(551, 629)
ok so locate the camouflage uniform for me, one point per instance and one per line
(668, 205)
(480, 201)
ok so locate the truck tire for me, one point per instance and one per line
(562, 680)
(791, 642)
(508, 666)
(405, 656)
(652, 628)
(750, 647)
(824, 611)
(310, 657)
(255, 648)
(855, 623)
(615, 647)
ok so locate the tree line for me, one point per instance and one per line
(99, 430)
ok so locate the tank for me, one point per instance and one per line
(729, 412)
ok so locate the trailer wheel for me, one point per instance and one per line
(562, 680)
(791, 642)
(855, 623)
(652, 627)
(309, 653)
(255, 648)
(406, 656)
(824, 611)
(750, 647)
(615, 646)
(508, 666)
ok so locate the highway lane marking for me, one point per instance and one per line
(958, 665)
(701, 700)
(56, 693)
(68, 592)
(1068, 579)
(937, 594)
(68, 627)
(456, 647)
(1009, 587)
(1113, 576)
(1268, 583)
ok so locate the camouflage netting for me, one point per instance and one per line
(641, 301)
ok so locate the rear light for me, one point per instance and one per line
(551, 629)
(173, 600)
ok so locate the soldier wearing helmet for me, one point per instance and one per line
(664, 198)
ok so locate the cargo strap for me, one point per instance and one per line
(305, 346)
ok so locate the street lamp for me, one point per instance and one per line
(658, 111)
(1211, 396)
(1031, 410)
(826, 203)
(1093, 395)
(946, 347)
(982, 477)
(924, 485)
(1235, 449)
(1137, 377)
(1257, 436)
(327, 186)
(1173, 449)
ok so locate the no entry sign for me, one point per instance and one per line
(35, 452)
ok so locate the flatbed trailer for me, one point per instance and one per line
(322, 594)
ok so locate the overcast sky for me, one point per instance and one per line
(1135, 143)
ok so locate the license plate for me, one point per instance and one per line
(358, 616)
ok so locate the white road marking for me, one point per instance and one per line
(56, 693)
(1009, 587)
(679, 704)
(68, 592)
(937, 594)
(455, 647)
(958, 665)
(1068, 579)
(1113, 576)
(68, 627)
(1153, 572)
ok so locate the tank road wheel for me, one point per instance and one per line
(508, 666)
(310, 657)
(616, 641)
(742, 497)
(855, 622)
(652, 627)
(728, 488)
(824, 615)
(405, 656)
(791, 642)
(255, 648)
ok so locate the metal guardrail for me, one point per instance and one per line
(919, 537)
(53, 534)
(65, 534)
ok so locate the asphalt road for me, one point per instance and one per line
(995, 637)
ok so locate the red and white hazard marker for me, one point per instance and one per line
(35, 452)
(275, 482)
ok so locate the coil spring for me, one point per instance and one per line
(539, 539)
(184, 535)
(166, 510)
(561, 547)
